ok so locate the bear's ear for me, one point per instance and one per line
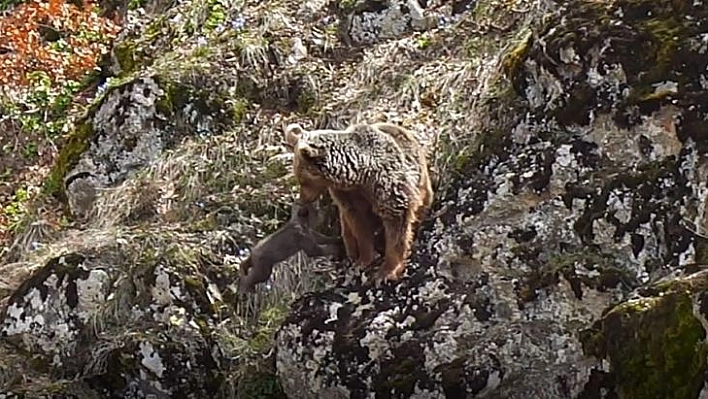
(292, 134)
(310, 153)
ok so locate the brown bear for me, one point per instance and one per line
(296, 235)
(377, 175)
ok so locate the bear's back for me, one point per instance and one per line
(360, 147)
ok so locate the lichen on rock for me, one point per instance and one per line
(130, 127)
(367, 21)
(55, 305)
(575, 199)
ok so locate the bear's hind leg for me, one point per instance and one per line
(364, 230)
(399, 234)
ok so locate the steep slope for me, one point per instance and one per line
(563, 256)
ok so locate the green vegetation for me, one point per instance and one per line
(135, 4)
(216, 15)
(512, 60)
(126, 57)
(260, 385)
(6, 4)
(69, 155)
(656, 347)
(15, 210)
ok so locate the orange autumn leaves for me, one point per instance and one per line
(52, 36)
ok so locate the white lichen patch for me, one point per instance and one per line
(296, 366)
(544, 90)
(611, 81)
(129, 136)
(442, 349)
(151, 359)
(53, 312)
(369, 27)
(92, 292)
(375, 338)
(333, 312)
(162, 289)
(620, 204)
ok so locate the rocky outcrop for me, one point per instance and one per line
(563, 257)
(587, 184)
(129, 128)
(370, 21)
(87, 313)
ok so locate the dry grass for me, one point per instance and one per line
(239, 169)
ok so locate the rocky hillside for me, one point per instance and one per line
(564, 256)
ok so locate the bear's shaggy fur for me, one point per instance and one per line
(377, 175)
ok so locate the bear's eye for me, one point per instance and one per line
(312, 156)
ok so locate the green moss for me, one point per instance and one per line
(174, 96)
(125, 55)
(656, 347)
(177, 96)
(665, 36)
(268, 322)
(260, 385)
(666, 32)
(240, 109)
(194, 284)
(347, 5)
(69, 155)
(511, 61)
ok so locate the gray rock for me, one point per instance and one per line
(372, 21)
(580, 194)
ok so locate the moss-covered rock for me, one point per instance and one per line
(655, 344)
(127, 129)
